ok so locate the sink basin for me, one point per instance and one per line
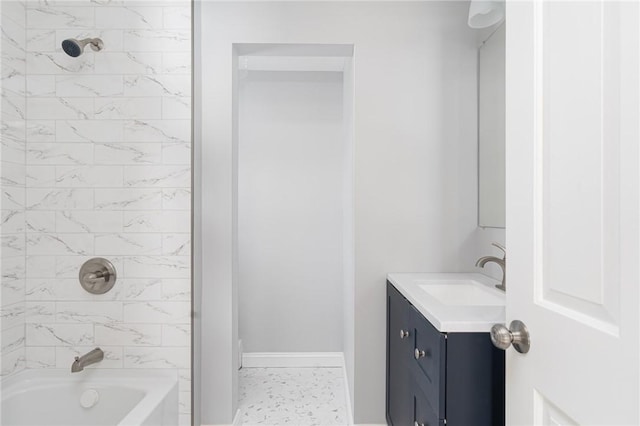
(453, 301)
(462, 293)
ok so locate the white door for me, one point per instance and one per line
(573, 211)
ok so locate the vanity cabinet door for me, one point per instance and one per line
(424, 415)
(399, 345)
(475, 380)
(428, 364)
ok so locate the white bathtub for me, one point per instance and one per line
(42, 397)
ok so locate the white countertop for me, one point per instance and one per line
(451, 317)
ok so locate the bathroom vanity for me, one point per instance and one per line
(441, 365)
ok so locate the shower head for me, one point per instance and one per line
(74, 48)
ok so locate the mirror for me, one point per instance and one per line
(491, 131)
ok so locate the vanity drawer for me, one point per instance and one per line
(429, 362)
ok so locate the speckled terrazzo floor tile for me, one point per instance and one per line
(292, 396)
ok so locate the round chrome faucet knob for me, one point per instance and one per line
(97, 275)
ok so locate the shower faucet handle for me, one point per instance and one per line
(97, 275)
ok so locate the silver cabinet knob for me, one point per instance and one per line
(403, 334)
(517, 334)
(419, 354)
(418, 424)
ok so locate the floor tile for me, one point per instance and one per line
(292, 396)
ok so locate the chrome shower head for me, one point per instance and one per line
(74, 48)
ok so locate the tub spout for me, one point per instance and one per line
(89, 358)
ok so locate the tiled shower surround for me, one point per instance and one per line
(12, 183)
(105, 171)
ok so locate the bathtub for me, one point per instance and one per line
(43, 397)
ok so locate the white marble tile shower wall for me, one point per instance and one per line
(12, 186)
(108, 174)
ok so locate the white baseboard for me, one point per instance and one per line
(292, 359)
(347, 391)
(237, 419)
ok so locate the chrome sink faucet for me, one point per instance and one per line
(89, 358)
(502, 262)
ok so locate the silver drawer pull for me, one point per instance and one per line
(418, 424)
(419, 354)
(403, 334)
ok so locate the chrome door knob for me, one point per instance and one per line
(517, 334)
(403, 334)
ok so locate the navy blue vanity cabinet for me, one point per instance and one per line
(436, 378)
(424, 415)
(399, 347)
(428, 360)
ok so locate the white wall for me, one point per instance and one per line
(348, 234)
(415, 160)
(108, 173)
(290, 211)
